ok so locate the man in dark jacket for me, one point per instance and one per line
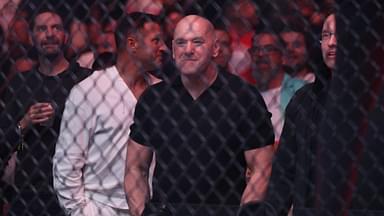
(293, 174)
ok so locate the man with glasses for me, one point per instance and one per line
(293, 173)
(276, 86)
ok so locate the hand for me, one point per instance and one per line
(37, 113)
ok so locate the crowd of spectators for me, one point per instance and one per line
(270, 45)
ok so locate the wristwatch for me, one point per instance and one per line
(20, 145)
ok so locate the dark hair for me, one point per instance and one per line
(299, 27)
(48, 8)
(221, 24)
(173, 9)
(280, 41)
(132, 23)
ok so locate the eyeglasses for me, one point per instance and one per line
(326, 36)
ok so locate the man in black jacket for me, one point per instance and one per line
(293, 174)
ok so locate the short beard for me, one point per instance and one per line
(263, 79)
(297, 68)
(51, 56)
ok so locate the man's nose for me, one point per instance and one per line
(49, 32)
(332, 40)
(289, 47)
(189, 47)
(260, 52)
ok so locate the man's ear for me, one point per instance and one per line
(216, 48)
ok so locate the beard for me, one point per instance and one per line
(264, 77)
(52, 54)
(298, 67)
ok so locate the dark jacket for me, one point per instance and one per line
(293, 173)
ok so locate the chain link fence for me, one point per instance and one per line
(325, 129)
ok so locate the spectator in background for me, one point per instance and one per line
(153, 7)
(244, 19)
(90, 153)
(30, 121)
(310, 11)
(8, 9)
(19, 43)
(297, 53)
(276, 86)
(101, 26)
(79, 45)
(4, 65)
(204, 142)
(225, 51)
(172, 16)
(293, 174)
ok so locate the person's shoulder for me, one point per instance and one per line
(304, 92)
(159, 92)
(23, 77)
(302, 98)
(165, 84)
(80, 72)
(239, 86)
(92, 78)
(157, 88)
(86, 88)
(293, 80)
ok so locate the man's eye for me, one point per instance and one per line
(180, 42)
(325, 35)
(58, 28)
(156, 40)
(41, 28)
(198, 42)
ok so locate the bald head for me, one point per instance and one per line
(194, 45)
(194, 23)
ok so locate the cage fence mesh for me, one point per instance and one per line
(66, 113)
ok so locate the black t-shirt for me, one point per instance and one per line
(200, 144)
(35, 165)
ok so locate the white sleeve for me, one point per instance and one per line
(71, 152)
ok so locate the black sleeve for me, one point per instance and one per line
(10, 114)
(80, 72)
(281, 185)
(142, 121)
(256, 127)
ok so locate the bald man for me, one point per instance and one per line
(206, 127)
